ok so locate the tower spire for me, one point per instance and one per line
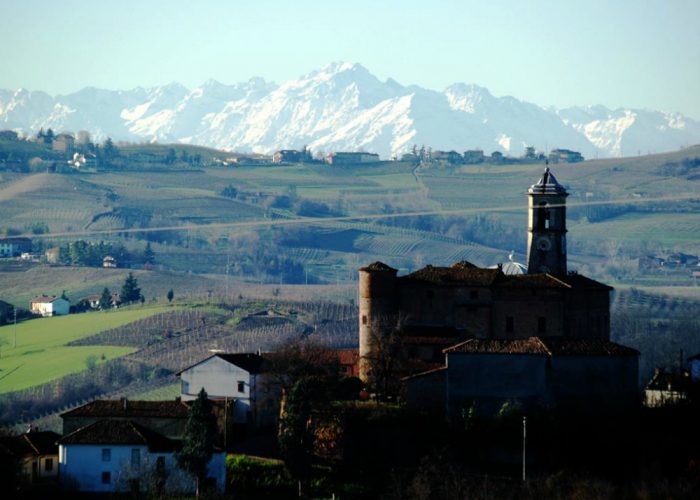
(547, 226)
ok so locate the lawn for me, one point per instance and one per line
(41, 353)
(167, 392)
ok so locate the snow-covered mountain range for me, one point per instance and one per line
(344, 107)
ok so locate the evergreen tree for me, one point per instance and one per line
(130, 290)
(109, 150)
(198, 439)
(106, 299)
(171, 295)
(149, 256)
(48, 138)
(171, 156)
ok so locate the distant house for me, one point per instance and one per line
(239, 378)
(53, 255)
(14, 247)
(109, 261)
(111, 456)
(473, 156)
(63, 143)
(496, 157)
(348, 362)
(667, 388)
(451, 157)
(410, 158)
(287, 156)
(49, 305)
(93, 301)
(351, 158)
(565, 156)
(36, 453)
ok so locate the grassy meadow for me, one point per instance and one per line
(41, 353)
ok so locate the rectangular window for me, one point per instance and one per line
(241, 386)
(106, 477)
(364, 319)
(185, 387)
(106, 454)
(541, 325)
(135, 458)
(48, 464)
(510, 324)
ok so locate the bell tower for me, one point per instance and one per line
(546, 239)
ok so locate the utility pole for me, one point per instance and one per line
(524, 446)
(14, 343)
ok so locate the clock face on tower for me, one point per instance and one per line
(543, 243)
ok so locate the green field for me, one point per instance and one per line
(41, 354)
(164, 393)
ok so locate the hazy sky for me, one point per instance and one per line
(614, 52)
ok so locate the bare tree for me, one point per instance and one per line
(387, 356)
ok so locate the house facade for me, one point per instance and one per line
(36, 453)
(49, 306)
(351, 158)
(123, 456)
(14, 247)
(238, 379)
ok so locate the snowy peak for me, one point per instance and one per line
(343, 106)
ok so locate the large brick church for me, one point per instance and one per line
(540, 334)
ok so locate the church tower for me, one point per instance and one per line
(546, 240)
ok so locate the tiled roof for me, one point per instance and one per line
(124, 408)
(250, 362)
(120, 432)
(44, 299)
(377, 266)
(550, 346)
(667, 381)
(426, 340)
(32, 443)
(458, 274)
(432, 371)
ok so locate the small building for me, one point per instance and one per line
(348, 362)
(287, 156)
(64, 143)
(451, 157)
(238, 378)
(49, 306)
(496, 157)
(473, 156)
(351, 158)
(667, 388)
(565, 156)
(36, 453)
(537, 372)
(112, 456)
(14, 247)
(109, 261)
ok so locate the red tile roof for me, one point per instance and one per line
(377, 266)
(549, 346)
(120, 432)
(44, 299)
(124, 408)
(32, 443)
(458, 274)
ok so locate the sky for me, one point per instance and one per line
(619, 53)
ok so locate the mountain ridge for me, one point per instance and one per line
(343, 106)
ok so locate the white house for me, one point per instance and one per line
(112, 456)
(49, 305)
(239, 378)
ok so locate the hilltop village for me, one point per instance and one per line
(451, 363)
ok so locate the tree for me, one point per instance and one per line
(109, 150)
(386, 356)
(64, 296)
(106, 299)
(170, 295)
(198, 439)
(149, 256)
(171, 156)
(130, 290)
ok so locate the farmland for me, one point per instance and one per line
(41, 353)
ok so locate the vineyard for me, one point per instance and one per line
(168, 341)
